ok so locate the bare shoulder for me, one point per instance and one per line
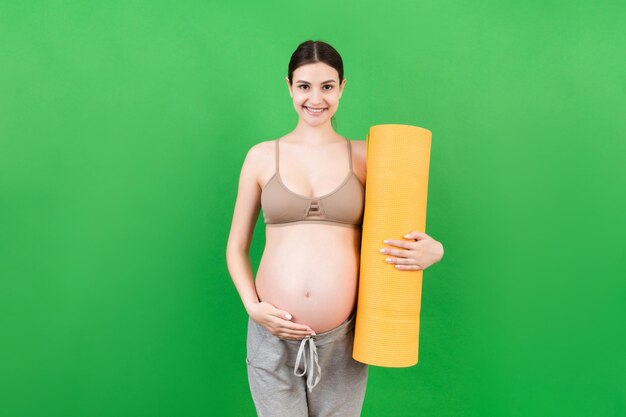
(259, 157)
(358, 157)
(358, 146)
(260, 151)
(259, 163)
(358, 150)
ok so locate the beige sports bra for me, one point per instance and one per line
(341, 207)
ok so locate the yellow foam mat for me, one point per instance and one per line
(387, 318)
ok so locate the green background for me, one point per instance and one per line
(123, 126)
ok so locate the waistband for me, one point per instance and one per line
(312, 370)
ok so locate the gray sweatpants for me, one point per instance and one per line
(315, 377)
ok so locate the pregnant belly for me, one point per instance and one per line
(311, 271)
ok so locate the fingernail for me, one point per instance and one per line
(382, 250)
(388, 259)
(386, 241)
(288, 316)
(407, 236)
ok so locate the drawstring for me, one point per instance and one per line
(302, 355)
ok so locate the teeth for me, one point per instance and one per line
(315, 110)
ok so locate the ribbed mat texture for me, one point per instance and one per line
(388, 310)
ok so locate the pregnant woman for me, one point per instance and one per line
(301, 307)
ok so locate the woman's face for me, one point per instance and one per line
(316, 92)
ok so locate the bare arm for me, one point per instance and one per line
(247, 207)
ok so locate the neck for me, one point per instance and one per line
(316, 135)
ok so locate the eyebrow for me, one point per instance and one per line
(323, 82)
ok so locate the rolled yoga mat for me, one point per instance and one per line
(388, 307)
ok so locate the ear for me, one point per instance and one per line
(288, 86)
(343, 84)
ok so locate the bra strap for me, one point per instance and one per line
(349, 152)
(277, 154)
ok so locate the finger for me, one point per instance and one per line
(296, 327)
(278, 330)
(414, 234)
(295, 333)
(399, 243)
(282, 314)
(285, 334)
(408, 267)
(401, 261)
(286, 324)
(402, 253)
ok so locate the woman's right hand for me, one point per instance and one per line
(278, 322)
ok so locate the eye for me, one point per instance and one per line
(302, 86)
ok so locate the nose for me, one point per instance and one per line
(315, 98)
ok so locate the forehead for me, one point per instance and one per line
(315, 73)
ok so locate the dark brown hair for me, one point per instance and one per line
(311, 51)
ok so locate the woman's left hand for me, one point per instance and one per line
(418, 252)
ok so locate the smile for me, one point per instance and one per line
(314, 111)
